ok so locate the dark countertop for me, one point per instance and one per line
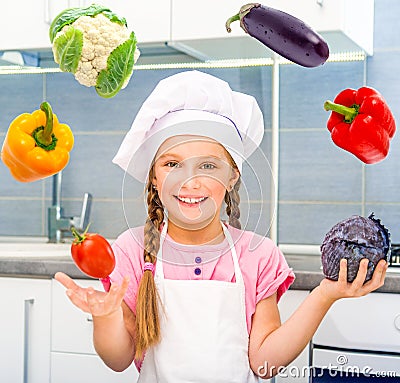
(306, 267)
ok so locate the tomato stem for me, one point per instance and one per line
(79, 237)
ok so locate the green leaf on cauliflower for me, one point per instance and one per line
(67, 49)
(115, 18)
(119, 69)
(68, 16)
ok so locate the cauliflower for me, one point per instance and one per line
(95, 45)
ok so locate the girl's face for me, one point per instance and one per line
(192, 174)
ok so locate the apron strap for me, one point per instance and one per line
(238, 272)
(159, 262)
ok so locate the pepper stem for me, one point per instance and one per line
(44, 136)
(349, 113)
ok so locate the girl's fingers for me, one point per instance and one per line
(361, 274)
(95, 303)
(66, 281)
(383, 270)
(91, 300)
(124, 287)
(117, 292)
(75, 292)
(378, 278)
(100, 305)
(342, 288)
(77, 300)
(343, 271)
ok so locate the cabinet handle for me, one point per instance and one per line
(47, 16)
(27, 319)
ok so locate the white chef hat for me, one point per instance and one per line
(191, 103)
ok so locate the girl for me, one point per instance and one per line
(192, 299)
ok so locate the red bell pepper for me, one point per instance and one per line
(361, 123)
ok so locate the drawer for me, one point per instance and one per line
(75, 368)
(357, 362)
(367, 323)
(72, 329)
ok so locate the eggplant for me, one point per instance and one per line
(354, 238)
(283, 33)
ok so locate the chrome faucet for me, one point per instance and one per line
(57, 222)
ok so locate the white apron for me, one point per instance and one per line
(203, 330)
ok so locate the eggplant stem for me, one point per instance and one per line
(231, 20)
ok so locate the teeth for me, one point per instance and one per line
(191, 200)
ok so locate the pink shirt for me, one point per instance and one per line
(263, 266)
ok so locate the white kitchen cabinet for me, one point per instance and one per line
(203, 19)
(73, 358)
(25, 330)
(348, 24)
(370, 323)
(151, 22)
(297, 371)
(198, 27)
(25, 23)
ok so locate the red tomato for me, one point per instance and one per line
(92, 254)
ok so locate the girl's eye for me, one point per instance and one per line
(172, 164)
(208, 166)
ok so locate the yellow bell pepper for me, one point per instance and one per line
(37, 145)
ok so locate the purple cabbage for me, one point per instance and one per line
(354, 238)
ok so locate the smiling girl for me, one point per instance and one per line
(192, 298)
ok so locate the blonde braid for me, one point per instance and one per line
(232, 200)
(147, 317)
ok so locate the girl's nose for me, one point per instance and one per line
(192, 182)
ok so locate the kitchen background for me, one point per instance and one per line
(319, 184)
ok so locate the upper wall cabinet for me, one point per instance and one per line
(25, 23)
(345, 24)
(199, 26)
(203, 19)
(151, 21)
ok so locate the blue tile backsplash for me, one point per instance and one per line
(319, 183)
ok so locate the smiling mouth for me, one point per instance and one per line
(190, 200)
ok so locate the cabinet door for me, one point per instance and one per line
(71, 328)
(81, 368)
(73, 357)
(203, 19)
(150, 21)
(298, 370)
(25, 23)
(24, 330)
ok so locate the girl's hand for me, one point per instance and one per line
(97, 303)
(334, 290)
